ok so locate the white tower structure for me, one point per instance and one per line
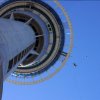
(32, 40)
(16, 41)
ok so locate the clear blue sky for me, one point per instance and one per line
(82, 83)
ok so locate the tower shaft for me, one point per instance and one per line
(1, 79)
(16, 41)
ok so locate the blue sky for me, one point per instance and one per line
(81, 83)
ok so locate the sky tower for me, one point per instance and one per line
(32, 41)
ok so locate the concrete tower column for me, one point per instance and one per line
(1, 79)
(17, 40)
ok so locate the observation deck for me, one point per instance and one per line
(49, 33)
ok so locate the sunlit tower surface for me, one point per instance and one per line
(35, 40)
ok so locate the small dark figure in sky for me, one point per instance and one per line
(75, 65)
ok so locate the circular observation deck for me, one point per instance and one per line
(49, 33)
(54, 38)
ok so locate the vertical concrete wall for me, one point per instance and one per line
(1, 79)
(14, 38)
